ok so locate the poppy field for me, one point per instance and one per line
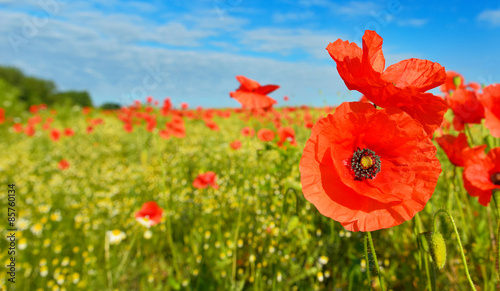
(395, 192)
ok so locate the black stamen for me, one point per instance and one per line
(366, 169)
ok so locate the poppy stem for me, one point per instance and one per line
(467, 128)
(372, 249)
(459, 243)
(431, 283)
(367, 262)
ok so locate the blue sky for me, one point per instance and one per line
(191, 51)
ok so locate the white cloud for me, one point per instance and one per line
(285, 17)
(490, 16)
(349, 9)
(100, 53)
(287, 41)
(413, 22)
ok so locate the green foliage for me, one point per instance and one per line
(69, 98)
(35, 91)
(111, 106)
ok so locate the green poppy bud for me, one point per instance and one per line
(438, 249)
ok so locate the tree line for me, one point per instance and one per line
(20, 91)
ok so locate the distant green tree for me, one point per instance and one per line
(111, 106)
(70, 98)
(32, 90)
(9, 98)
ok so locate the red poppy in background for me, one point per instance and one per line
(368, 169)
(2, 115)
(252, 95)
(89, 129)
(69, 132)
(453, 81)
(55, 134)
(457, 148)
(466, 107)
(482, 175)
(235, 145)
(286, 98)
(212, 125)
(265, 134)
(184, 105)
(63, 164)
(247, 131)
(86, 110)
(286, 134)
(128, 127)
(29, 130)
(402, 84)
(491, 102)
(206, 179)
(150, 214)
(17, 127)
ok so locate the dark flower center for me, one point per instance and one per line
(366, 164)
(495, 178)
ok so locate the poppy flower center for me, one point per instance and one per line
(495, 178)
(365, 164)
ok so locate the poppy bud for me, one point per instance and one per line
(438, 249)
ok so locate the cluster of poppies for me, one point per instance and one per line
(372, 165)
(470, 105)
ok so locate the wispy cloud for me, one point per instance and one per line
(292, 16)
(104, 53)
(287, 41)
(490, 16)
(413, 22)
(349, 9)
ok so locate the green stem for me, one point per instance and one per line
(467, 128)
(459, 243)
(367, 262)
(372, 249)
(430, 284)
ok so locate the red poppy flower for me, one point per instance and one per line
(184, 105)
(457, 148)
(86, 110)
(466, 107)
(63, 164)
(252, 95)
(482, 175)
(235, 144)
(286, 98)
(2, 115)
(402, 84)
(247, 131)
(286, 134)
(212, 125)
(164, 133)
(128, 127)
(453, 82)
(55, 134)
(150, 214)
(491, 102)
(176, 127)
(29, 130)
(265, 134)
(89, 129)
(205, 180)
(17, 127)
(69, 132)
(368, 169)
(34, 120)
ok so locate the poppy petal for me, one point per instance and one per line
(422, 75)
